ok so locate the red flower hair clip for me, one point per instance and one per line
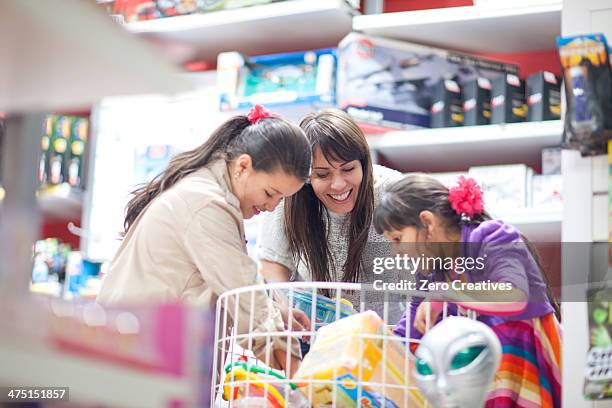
(466, 197)
(257, 113)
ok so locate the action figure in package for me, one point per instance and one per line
(588, 89)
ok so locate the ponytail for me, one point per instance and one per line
(271, 142)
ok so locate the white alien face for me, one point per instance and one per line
(456, 362)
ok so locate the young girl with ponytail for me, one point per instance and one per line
(422, 218)
(184, 232)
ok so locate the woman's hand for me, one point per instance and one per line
(426, 316)
(300, 322)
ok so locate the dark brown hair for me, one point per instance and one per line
(340, 139)
(273, 143)
(404, 200)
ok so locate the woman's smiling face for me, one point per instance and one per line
(335, 183)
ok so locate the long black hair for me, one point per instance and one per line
(404, 200)
(340, 139)
(273, 143)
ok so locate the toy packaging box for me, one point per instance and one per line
(547, 192)
(477, 102)
(391, 83)
(298, 78)
(543, 97)
(352, 351)
(598, 370)
(447, 106)
(504, 187)
(551, 160)
(508, 99)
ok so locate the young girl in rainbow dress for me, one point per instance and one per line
(423, 218)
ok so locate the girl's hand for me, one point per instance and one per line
(426, 313)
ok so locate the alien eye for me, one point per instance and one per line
(466, 356)
(423, 368)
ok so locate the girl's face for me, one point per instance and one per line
(431, 239)
(258, 190)
(411, 241)
(336, 184)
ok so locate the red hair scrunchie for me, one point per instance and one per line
(466, 198)
(257, 113)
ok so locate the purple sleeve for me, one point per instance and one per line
(507, 257)
(400, 328)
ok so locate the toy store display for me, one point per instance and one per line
(588, 89)
(456, 363)
(508, 99)
(598, 372)
(543, 97)
(298, 78)
(391, 83)
(357, 361)
(63, 144)
(62, 272)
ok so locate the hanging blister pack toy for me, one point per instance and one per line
(588, 90)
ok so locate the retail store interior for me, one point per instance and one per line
(109, 109)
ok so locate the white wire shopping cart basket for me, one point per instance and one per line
(354, 359)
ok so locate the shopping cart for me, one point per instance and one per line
(355, 360)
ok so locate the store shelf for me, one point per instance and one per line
(264, 29)
(451, 149)
(60, 202)
(90, 381)
(539, 225)
(506, 27)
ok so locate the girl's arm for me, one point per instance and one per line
(493, 302)
(216, 247)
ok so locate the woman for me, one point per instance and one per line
(184, 237)
(325, 232)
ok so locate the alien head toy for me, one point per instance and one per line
(456, 362)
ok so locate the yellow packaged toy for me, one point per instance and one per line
(361, 360)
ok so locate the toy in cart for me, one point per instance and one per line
(247, 385)
(325, 309)
(357, 361)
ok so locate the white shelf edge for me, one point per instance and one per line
(245, 14)
(531, 216)
(447, 15)
(467, 134)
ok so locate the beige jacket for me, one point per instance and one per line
(188, 246)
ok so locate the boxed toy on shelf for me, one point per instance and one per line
(546, 192)
(63, 145)
(391, 83)
(508, 99)
(477, 102)
(505, 187)
(447, 106)
(543, 97)
(299, 78)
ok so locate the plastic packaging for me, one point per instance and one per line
(588, 90)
